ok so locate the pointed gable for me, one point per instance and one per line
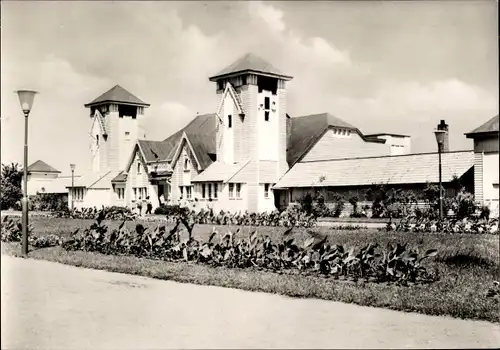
(250, 63)
(120, 95)
(41, 167)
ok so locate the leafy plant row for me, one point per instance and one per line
(471, 225)
(110, 213)
(291, 217)
(314, 256)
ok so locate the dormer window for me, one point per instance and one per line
(229, 121)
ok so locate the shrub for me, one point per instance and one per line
(48, 202)
(10, 186)
(110, 213)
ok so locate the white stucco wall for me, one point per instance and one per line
(491, 180)
(38, 181)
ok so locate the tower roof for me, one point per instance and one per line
(120, 95)
(250, 63)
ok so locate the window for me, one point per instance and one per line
(267, 104)
(180, 189)
(127, 135)
(97, 140)
(120, 193)
(238, 190)
(229, 121)
(188, 192)
(231, 190)
(203, 195)
(266, 108)
(244, 80)
(78, 193)
(135, 193)
(220, 85)
(266, 190)
(210, 191)
(215, 190)
(186, 164)
(138, 168)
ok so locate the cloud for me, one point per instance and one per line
(269, 14)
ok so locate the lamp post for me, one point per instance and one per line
(72, 166)
(26, 98)
(440, 134)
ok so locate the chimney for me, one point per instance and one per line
(443, 126)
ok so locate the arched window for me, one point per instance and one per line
(186, 164)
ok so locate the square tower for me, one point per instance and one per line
(116, 116)
(252, 125)
(252, 112)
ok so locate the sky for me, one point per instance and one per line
(397, 67)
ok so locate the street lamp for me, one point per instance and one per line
(440, 134)
(72, 166)
(26, 98)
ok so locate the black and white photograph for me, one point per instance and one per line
(249, 174)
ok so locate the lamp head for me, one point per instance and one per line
(72, 166)
(26, 98)
(440, 136)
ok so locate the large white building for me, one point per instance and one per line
(247, 155)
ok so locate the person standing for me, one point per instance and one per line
(149, 206)
(139, 206)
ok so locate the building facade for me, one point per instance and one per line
(248, 155)
(486, 164)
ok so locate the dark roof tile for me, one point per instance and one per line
(41, 167)
(251, 63)
(117, 94)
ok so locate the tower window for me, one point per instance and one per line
(229, 121)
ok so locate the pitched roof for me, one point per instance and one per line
(41, 167)
(155, 150)
(118, 94)
(219, 171)
(491, 126)
(305, 131)
(404, 169)
(121, 177)
(95, 180)
(250, 63)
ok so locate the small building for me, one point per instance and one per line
(40, 177)
(486, 163)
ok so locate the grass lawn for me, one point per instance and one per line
(467, 265)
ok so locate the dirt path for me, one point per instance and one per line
(48, 305)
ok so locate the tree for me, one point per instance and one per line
(11, 191)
